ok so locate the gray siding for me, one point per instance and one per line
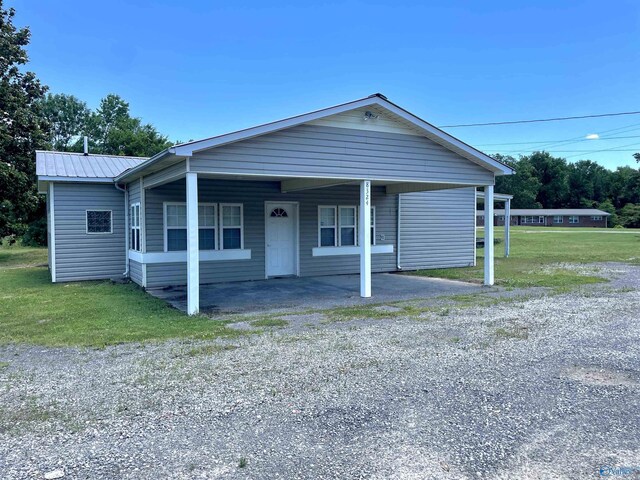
(135, 272)
(253, 195)
(82, 256)
(437, 229)
(311, 150)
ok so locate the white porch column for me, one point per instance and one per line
(364, 238)
(193, 250)
(507, 227)
(488, 235)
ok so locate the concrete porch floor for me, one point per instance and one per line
(285, 294)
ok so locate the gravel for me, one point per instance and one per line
(542, 387)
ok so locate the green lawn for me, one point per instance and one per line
(95, 314)
(537, 259)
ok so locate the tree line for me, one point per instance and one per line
(544, 181)
(31, 119)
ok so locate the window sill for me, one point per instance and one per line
(334, 251)
(181, 257)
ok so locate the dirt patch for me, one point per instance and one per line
(597, 376)
(387, 308)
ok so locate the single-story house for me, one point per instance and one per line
(364, 186)
(549, 217)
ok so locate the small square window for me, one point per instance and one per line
(98, 221)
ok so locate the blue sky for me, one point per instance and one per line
(196, 68)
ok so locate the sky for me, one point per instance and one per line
(198, 68)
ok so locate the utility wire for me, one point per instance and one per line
(556, 119)
(559, 141)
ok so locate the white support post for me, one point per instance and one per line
(364, 238)
(507, 228)
(193, 250)
(488, 235)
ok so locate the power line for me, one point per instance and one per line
(556, 119)
(554, 141)
(604, 150)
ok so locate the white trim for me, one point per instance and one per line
(507, 227)
(398, 230)
(296, 208)
(86, 221)
(52, 228)
(50, 178)
(475, 226)
(334, 226)
(181, 256)
(143, 216)
(144, 275)
(335, 251)
(131, 227)
(222, 227)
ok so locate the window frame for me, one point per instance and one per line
(341, 226)
(134, 228)
(220, 243)
(86, 221)
(334, 226)
(217, 242)
(572, 217)
(596, 218)
(556, 217)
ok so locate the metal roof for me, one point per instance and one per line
(77, 166)
(551, 211)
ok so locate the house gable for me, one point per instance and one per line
(372, 119)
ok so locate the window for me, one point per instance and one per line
(338, 226)
(327, 226)
(134, 236)
(532, 219)
(231, 226)
(596, 217)
(279, 212)
(558, 219)
(574, 219)
(175, 225)
(348, 221)
(207, 223)
(99, 221)
(373, 225)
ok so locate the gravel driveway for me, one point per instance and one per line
(543, 387)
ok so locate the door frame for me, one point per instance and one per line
(296, 233)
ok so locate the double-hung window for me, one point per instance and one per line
(327, 224)
(348, 220)
(574, 219)
(175, 224)
(134, 234)
(231, 225)
(558, 219)
(338, 226)
(596, 217)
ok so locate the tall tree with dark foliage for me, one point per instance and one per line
(22, 130)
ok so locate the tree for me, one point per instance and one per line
(22, 129)
(113, 131)
(552, 172)
(630, 216)
(67, 117)
(608, 207)
(588, 183)
(523, 184)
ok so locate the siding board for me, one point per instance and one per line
(437, 229)
(81, 256)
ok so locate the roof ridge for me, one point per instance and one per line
(81, 154)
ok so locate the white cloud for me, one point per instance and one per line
(592, 136)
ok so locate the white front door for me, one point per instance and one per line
(281, 253)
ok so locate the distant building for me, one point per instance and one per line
(550, 217)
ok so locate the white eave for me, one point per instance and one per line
(185, 150)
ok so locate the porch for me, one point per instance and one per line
(310, 293)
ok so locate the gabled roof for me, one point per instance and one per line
(70, 166)
(551, 211)
(377, 100)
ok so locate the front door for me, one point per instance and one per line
(281, 253)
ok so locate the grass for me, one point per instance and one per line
(539, 259)
(90, 314)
